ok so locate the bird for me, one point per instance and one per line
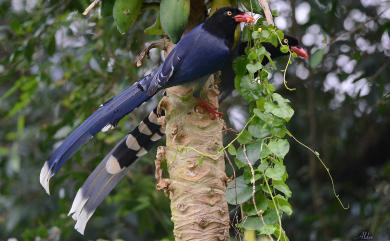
(117, 162)
(202, 51)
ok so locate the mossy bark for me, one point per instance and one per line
(196, 167)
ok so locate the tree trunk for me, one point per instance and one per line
(196, 167)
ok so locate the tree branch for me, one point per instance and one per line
(163, 44)
(267, 12)
(90, 7)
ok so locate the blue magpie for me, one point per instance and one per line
(202, 51)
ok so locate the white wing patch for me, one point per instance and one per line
(107, 128)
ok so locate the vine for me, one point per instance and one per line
(262, 144)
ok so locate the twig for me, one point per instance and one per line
(161, 43)
(267, 11)
(90, 7)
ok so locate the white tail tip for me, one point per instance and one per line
(45, 176)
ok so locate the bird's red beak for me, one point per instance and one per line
(244, 18)
(301, 52)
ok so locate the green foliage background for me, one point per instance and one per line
(57, 66)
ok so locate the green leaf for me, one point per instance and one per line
(244, 138)
(266, 117)
(155, 29)
(239, 65)
(265, 34)
(232, 150)
(283, 204)
(252, 153)
(238, 191)
(276, 172)
(274, 40)
(279, 147)
(125, 13)
(107, 8)
(253, 68)
(252, 6)
(270, 216)
(284, 49)
(29, 49)
(316, 58)
(265, 151)
(258, 131)
(263, 165)
(282, 187)
(281, 233)
(267, 229)
(261, 204)
(174, 17)
(281, 109)
(51, 45)
(251, 223)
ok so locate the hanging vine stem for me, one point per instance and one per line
(285, 73)
(253, 181)
(325, 167)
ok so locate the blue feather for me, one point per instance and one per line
(108, 114)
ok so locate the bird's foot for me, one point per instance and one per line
(210, 108)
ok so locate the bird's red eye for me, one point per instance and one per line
(229, 13)
(285, 41)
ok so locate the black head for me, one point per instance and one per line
(295, 47)
(224, 21)
(292, 42)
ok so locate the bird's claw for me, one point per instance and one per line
(210, 108)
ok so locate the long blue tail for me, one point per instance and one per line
(103, 118)
(113, 168)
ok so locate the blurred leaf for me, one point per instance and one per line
(316, 58)
(125, 13)
(155, 29)
(107, 7)
(174, 16)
